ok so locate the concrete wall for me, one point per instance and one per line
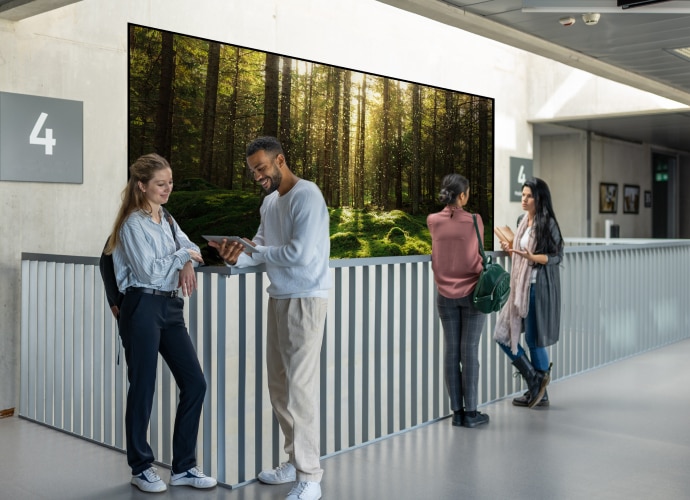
(79, 52)
(621, 163)
(562, 161)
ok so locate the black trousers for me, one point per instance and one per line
(152, 324)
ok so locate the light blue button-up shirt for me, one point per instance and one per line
(147, 256)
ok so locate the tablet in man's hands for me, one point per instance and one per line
(219, 239)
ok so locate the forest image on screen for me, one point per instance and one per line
(377, 147)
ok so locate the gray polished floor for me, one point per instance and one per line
(619, 432)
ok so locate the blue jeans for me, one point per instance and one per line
(539, 356)
(462, 328)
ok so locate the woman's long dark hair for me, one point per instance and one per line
(544, 214)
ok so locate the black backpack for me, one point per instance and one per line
(107, 268)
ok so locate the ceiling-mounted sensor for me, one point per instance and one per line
(591, 18)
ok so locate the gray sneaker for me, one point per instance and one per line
(305, 490)
(194, 478)
(284, 473)
(149, 481)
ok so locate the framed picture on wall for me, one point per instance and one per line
(631, 199)
(608, 198)
(647, 199)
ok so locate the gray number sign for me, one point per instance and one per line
(41, 139)
(520, 171)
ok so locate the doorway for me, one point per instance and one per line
(664, 196)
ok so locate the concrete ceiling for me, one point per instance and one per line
(632, 46)
(16, 10)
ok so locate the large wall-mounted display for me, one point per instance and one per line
(370, 142)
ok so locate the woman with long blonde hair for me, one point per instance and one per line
(153, 259)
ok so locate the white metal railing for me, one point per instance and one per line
(573, 241)
(381, 362)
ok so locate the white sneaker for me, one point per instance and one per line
(284, 473)
(149, 481)
(194, 478)
(305, 490)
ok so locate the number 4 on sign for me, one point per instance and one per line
(521, 175)
(47, 140)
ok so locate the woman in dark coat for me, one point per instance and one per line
(535, 292)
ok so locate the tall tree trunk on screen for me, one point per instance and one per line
(361, 129)
(345, 167)
(308, 118)
(163, 136)
(470, 130)
(416, 146)
(399, 153)
(285, 107)
(335, 140)
(232, 122)
(433, 170)
(209, 121)
(484, 167)
(326, 141)
(385, 154)
(271, 95)
(448, 134)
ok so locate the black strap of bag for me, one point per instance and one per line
(169, 218)
(485, 259)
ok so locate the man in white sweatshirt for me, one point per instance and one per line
(294, 245)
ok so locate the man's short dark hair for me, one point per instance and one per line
(265, 143)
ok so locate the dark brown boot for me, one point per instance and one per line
(536, 380)
(524, 400)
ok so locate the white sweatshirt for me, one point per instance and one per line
(293, 242)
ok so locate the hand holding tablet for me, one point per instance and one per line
(219, 240)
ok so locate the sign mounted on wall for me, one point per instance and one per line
(520, 171)
(41, 139)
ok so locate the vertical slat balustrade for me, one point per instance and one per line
(381, 362)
